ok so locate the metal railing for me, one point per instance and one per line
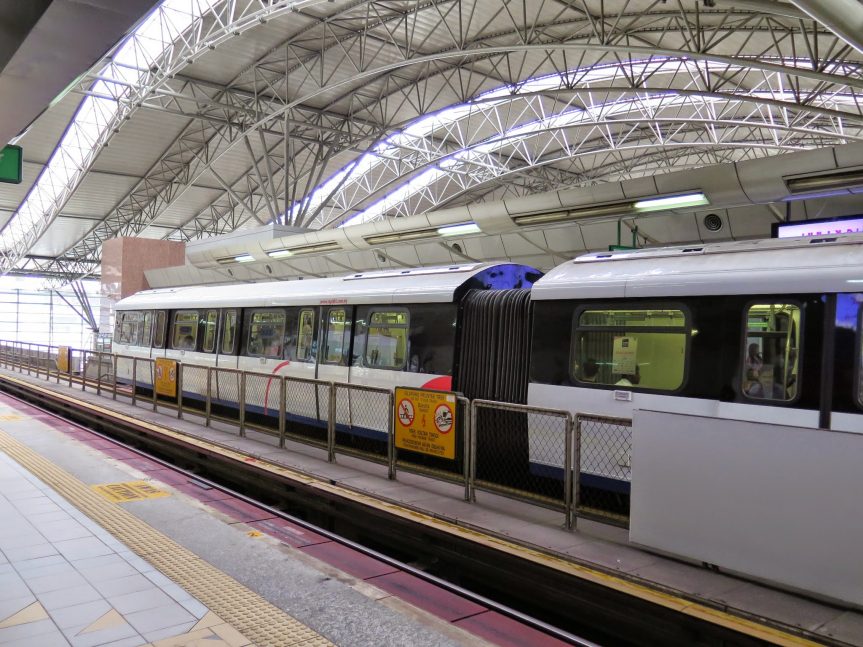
(578, 464)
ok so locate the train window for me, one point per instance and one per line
(128, 327)
(229, 332)
(305, 336)
(633, 347)
(432, 338)
(386, 343)
(772, 351)
(159, 332)
(209, 322)
(185, 335)
(334, 347)
(118, 327)
(146, 330)
(266, 333)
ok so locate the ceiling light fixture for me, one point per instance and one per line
(825, 182)
(672, 202)
(317, 247)
(280, 253)
(239, 258)
(459, 230)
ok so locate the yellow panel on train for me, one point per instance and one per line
(425, 421)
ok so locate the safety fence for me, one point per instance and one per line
(577, 464)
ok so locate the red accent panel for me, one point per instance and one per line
(442, 383)
(289, 533)
(348, 560)
(500, 630)
(240, 510)
(425, 595)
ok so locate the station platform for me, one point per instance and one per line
(595, 551)
(99, 546)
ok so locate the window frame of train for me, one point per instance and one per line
(306, 338)
(344, 345)
(159, 328)
(229, 314)
(280, 336)
(744, 349)
(209, 323)
(140, 320)
(623, 307)
(192, 322)
(406, 326)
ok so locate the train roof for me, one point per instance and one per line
(421, 285)
(772, 266)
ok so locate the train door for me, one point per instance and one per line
(228, 338)
(846, 390)
(333, 364)
(160, 329)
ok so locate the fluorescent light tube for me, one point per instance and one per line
(826, 182)
(672, 202)
(244, 258)
(280, 253)
(459, 230)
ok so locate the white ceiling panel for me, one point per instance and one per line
(98, 195)
(188, 205)
(140, 142)
(61, 234)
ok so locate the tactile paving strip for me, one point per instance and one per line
(258, 620)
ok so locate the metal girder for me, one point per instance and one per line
(372, 68)
(842, 17)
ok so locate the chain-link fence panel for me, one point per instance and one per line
(604, 481)
(262, 402)
(143, 379)
(193, 387)
(225, 393)
(362, 421)
(522, 451)
(306, 411)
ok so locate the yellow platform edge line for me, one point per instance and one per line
(680, 604)
(254, 617)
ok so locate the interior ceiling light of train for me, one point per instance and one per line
(220, 115)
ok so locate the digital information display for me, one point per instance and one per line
(831, 227)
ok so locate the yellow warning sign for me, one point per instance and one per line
(129, 491)
(425, 421)
(166, 377)
(63, 359)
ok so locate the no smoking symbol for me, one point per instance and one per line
(406, 412)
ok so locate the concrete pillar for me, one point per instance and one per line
(124, 261)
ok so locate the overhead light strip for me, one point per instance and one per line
(615, 209)
(459, 229)
(826, 182)
(238, 258)
(318, 247)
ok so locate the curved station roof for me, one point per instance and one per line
(294, 123)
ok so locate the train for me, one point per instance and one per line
(765, 330)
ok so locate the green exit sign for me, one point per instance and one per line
(11, 160)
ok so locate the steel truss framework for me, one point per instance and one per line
(524, 96)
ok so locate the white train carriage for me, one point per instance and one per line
(766, 331)
(378, 329)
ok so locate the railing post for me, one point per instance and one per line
(391, 437)
(99, 373)
(283, 405)
(331, 424)
(84, 369)
(153, 384)
(466, 436)
(114, 377)
(134, 381)
(208, 407)
(242, 399)
(179, 391)
(576, 486)
(471, 481)
(567, 467)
